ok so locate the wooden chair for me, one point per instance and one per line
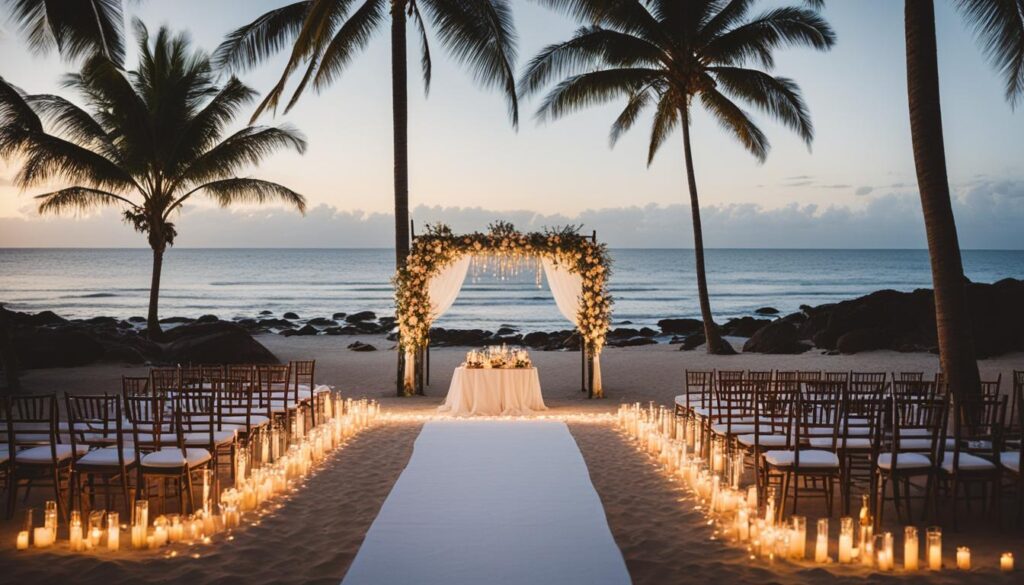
(696, 396)
(977, 424)
(907, 377)
(762, 376)
(808, 376)
(36, 455)
(990, 388)
(165, 381)
(277, 395)
(1011, 447)
(95, 423)
(862, 403)
(772, 419)
(908, 450)
(135, 386)
(816, 414)
(843, 377)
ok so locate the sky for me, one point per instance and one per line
(854, 188)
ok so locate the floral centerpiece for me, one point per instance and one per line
(497, 357)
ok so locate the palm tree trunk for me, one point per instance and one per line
(956, 346)
(715, 344)
(153, 320)
(400, 117)
(400, 114)
(8, 358)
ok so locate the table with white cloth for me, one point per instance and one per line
(494, 392)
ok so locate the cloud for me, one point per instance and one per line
(864, 190)
(988, 214)
(798, 178)
(797, 184)
(836, 186)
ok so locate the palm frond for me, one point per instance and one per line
(779, 97)
(425, 63)
(244, 148)
(589, 47)
(76, 29)
(727, 17)
(74, 123)
(352, 37)
(238, 190)
(594, 88)
(249, 45)
(758, 38)
(47, 159)
(630, 114)
(207, 125)
(15, 109)
(737, 122)
(999, 28)
(666, 118)
(79, 200)
(481, 35)
(628, 16)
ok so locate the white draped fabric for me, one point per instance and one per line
(443, 289)
(567, 289)
(495, 503)
(494, 392)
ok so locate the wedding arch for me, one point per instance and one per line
(576, 267)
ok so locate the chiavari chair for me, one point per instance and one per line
(756, 376)
(135, 385)
(816, 414)
(970, 458)
(907, 377)
(1012, 447)
(165, 381)
(843, 377)
(34, 448)
(770, 430)
(276, 393)
(808, 376)
(729, 375)
(862, 401)
(96, 424)
(990, 388)
(696, 397)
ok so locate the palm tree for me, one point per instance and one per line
(76, 28)
(154, 140)
(325, 35)
(999, 26)
(667, 53)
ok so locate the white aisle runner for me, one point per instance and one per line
(491, 502)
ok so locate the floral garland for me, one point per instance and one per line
(566, 247)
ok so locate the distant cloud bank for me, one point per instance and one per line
(989, 215)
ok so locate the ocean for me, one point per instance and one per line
(647, 285)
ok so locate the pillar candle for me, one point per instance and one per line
(963, 558)
(821, 543)
(911, 549)
(845, 539)
(23, 540)
(1006, 562)
(742, 524)
(934, 540)
(798, 538)
(113, 531)
(42, 536)
(75, 531)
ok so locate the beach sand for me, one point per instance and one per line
(315, 534)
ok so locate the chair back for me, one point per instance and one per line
(734, 401)
(135, 385)
(755, 376)
(729, 375)
(918, 425)
(817, 413)
(195, 417)
(95, 421)
(303, 372)
(698, 386)
(843, 377)
(31, 422)
(907, 376)
(151, 421)
(234, 403)
(990, 388)
(165, 381)
(276, 391)
(808, 376)
(773, 410)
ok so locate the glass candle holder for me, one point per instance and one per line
(113, 531)
(1006, 562)
(75, 532)
(821, 542)
(933, 538)
(798, 540)
(846, 540)
(911, 549)
(963, 558)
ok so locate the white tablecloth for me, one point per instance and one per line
(493, 392)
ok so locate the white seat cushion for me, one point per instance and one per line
(282, 405)
(106, 457)
(809, 459)
(239, 421)
(904, 461)
(42, 454)
(171, 457)
(150, 438)
(1010, 460)
(763, 440)
(923, 444)
(967, 462)
(841, 443)
(220, 438)
(738, 428)
(915, 433)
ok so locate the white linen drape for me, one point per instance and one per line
(567, 288)
(442, 289)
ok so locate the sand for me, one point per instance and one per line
(315, 534)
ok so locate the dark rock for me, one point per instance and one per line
(648, 332)
(42, 318)
(503, 330)
(795, 318)
(215, 343)
(361, 316)
(622, 333)
(265, 312)
(307, 330)
(102, 322)
(516, 339)
(387, 322)
(676, 340)
(680, 326)
(392, 336)
(125, 325)
(360, 346)
(121, 353)
(290, 315)
(275, 324)
(248, 324)
(333, 331)
(767, 311)
(860, 340)
(744, 326)
(536, 339)
(338, 316)
(322, 322)
(55, 348)
(692, 342)
(568, 340)
(288, 332)
(176, 320)
(631, 342)
(460, 337)
(776, 338)
(136, 319)
(626, 322)
(207, 319)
